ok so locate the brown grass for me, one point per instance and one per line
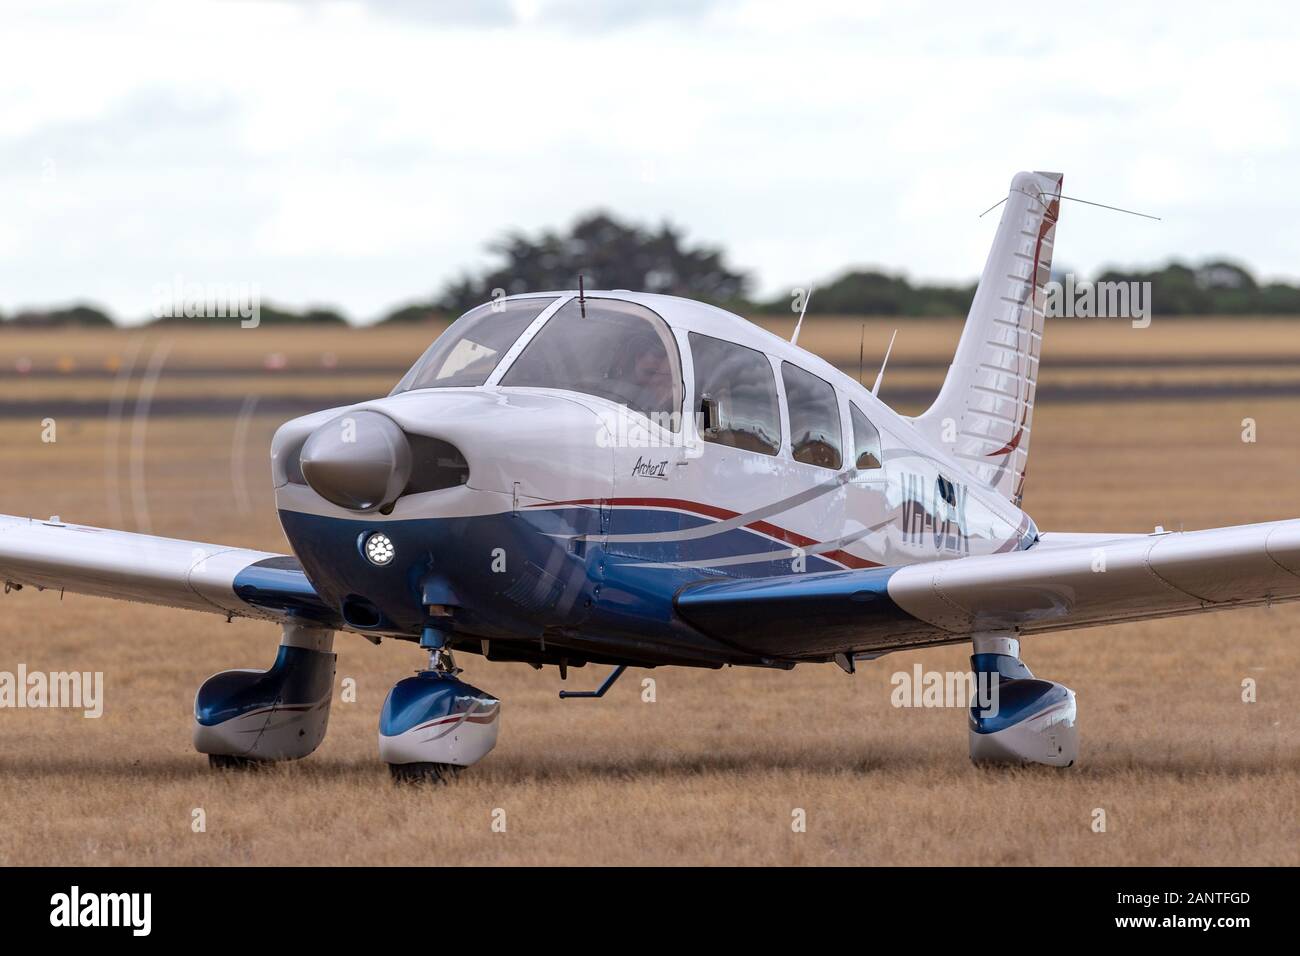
(710, 772)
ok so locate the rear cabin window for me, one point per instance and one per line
(866, 440)
(814, 418)
(618, 350)
(735, 395)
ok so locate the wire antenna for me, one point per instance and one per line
(1102, 205)
(582, 298)
(1086, 202)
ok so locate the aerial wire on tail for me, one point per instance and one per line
(1086, 202)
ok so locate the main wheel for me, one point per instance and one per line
(231, 762)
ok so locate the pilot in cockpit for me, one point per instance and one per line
(650, 375)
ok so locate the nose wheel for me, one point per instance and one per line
(434, 724)
(417, 773)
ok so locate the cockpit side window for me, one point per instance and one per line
(617, 350)
(735, 395)
(814, 417)
(866, 441)
(469, 350)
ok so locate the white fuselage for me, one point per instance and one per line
(636, 508)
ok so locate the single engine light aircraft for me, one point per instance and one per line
(637, 480)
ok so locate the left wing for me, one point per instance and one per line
(1064, 581)
(138, 567)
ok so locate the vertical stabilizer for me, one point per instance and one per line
(984, 411)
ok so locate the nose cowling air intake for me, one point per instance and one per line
(360, 461)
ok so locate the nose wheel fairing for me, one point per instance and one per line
(435, 718)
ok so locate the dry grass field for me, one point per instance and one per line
(712, 771)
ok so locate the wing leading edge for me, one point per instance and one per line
(170, 572)
(1064, 582)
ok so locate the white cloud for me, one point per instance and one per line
(362, 154)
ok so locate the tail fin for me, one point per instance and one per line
(985, 408)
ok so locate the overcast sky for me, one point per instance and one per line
(359, 154)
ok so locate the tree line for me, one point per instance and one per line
(611, 253)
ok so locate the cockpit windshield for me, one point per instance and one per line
(609, 348)
(470, 349)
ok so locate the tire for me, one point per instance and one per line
(417, 773)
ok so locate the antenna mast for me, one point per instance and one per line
(794, 339)
(862, 344)
(880, 377)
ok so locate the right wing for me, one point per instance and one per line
(235, 582)
(1065, 581)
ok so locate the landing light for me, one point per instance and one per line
(379, 549)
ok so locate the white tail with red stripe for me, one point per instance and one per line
(984, 412)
